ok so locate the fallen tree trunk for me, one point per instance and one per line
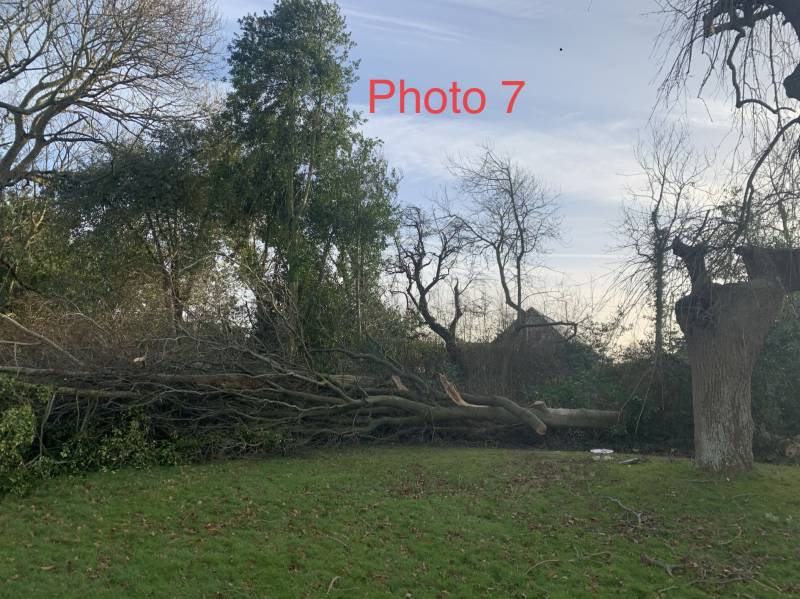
(577, 418)
(239, 412)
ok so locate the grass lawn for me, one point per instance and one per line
(407, 522)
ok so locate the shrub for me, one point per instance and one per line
(776, 380)
(69, 446)
(43, 434)
(17, 434)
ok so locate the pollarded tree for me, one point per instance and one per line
(756, 46)
(77, 71)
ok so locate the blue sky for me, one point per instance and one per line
(591, 75)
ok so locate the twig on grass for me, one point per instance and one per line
(729, 541)
(567, 561)
(627, 509)
(668, 568)
(333, 582)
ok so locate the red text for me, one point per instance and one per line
(436, 100)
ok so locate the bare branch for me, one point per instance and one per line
(79, 71)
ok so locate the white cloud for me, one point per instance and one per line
(589, 162)
(395, 25)
(586, 159)
(520, 9)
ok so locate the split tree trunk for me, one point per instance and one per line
(725, 327)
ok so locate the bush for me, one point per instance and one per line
(776, 380)
(68, 446)
(43, 434)
(17, 434)
(656, 401)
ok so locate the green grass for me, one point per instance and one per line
(407, 522)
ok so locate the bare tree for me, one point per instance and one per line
(752, 50)
(76, 71)
(774, 219)
(511, 217)
(668, 204)
(428, 252)
(754, 43)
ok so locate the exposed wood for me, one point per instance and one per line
(398, 383)
(452, 392)
(577, 417)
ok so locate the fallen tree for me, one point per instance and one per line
(302, 404)
(62, 409)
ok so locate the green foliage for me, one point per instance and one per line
(17, 434)
(40, 441)
(69, 447)
(656, 400)
(142, 223)
(127, 444)
(23, 244)
(14, 392)
(290, 70)
(776, 380)
(309, 227)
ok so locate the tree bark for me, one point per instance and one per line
(659, 262)
(725, 327)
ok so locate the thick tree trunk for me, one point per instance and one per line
(725, 327)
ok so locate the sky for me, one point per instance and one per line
(592, 77)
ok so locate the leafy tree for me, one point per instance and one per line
(308, 169)
(148, 212)
(22, 219)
